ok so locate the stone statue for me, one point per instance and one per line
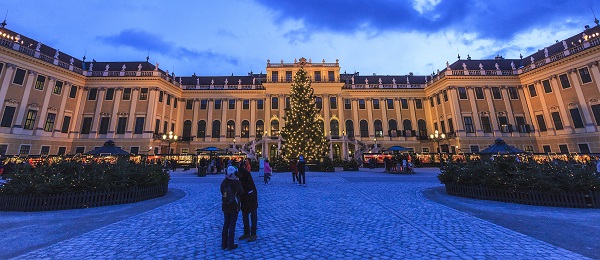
(565, 45)
(212, 81)
(366, 81)
(123, 68)
(512, 65)
(546, 52)
(91, 66)
(179, 80)
(226, 81)
(156, 68)
(447, 65)
(106, 67)
(140, 67)
(394, 81)
(407, 81)
(352, 80)
(480, 66)
(71, 61)
(253, 81)
(497, 66)
(239, 81)
(379, 81)
(464, 66)
(197, 81)
(56, 54)
(532, 60)
(39, 45)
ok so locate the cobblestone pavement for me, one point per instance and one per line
(348, 215)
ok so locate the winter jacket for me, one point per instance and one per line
(236, 187)
(249, 195)
(268, 169)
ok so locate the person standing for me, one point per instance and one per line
(231, 189)
(247, 165)
(294, 169)
(267, 171)
(249, 204)
(301, 171)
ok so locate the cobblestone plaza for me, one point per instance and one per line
(341, 215)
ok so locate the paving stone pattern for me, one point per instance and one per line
(347, 215)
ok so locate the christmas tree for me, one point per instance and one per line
(302, 131)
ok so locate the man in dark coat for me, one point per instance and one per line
(230, 210)
(249, 204)
(301, 171)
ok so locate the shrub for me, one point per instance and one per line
(506, 173)
(62, 177)
(350, 165)
(326, 165)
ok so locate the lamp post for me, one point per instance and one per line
(437, 137)
(375, 139)
(170, 138)
(234, 147)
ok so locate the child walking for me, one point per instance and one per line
(268, 170)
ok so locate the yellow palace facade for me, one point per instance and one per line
(54, 104)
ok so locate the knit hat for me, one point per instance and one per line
(230, 173)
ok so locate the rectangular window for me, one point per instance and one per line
(260, 104)
(332, 102)
(3, 147)
(49, 125)
(418, 103)
(274, 76)
(246, 104)
(79, 149)
(523, 128)
(317, 76)
(73, 92)
(134, 149)
(7, 117)
(577, 121)
(479, 93)
(564, 81)
(160, 96)
(189, 104)
(375, 103)
(445, 94)
(462, 93)
(30, 120)
(596, 112)
(274, 103)
(165, 126)
(469, 124)
(584, 148)
(92, 94)
(513, 93)
(541, 123)
(319, 102)
(86, 125)
(104, 121)
(126, 94)
(65, 124)
(40, 81)
(474, 148)
(288, 76)
(157, 126)
(563, 148)
(431, 103)
(19, 77)
(203, 104)
(584, 73)
(24, 149)
(547, 87)
(231, 104)
(331, 76)
(172, 126)
(348, 104)
(435, 126)
(58, 87)
(404, 103)
(546, 149)
(443, 126)
(496, 93)
(437, 99)
(450, 125)
(532, 91)
(168, 99)
(62, 150)
(139, 125)
(175, 101)
(485, 124)
(503, 123)
(45, 150)
(390, 103)
(217, 104)
(558, 125)
(110, 94)
(121, 124)
(528, 148)
(144, 94)
(361, 104)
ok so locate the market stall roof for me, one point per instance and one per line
(210, 149)
(500, 147)
(108, 148)
(397, 148)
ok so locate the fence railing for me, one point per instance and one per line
(77, 200)
(563, 199)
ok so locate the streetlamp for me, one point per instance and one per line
(437, 137)
(234, 147)
(170, 138)
(375, 139)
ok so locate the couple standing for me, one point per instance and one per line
(299, 171)
(238, 192)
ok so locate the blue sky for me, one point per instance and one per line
(387, 37)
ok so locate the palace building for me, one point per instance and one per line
(55, 104)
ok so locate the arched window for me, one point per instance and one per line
(216, 129)
(245, 129)
(422, 126)
(260, 128)
(334, 127)
(201, 129)
(274, 127)
(349, 128)
(407, 125)
(378, 128)
(230, 129)
(273, 151)
(321, 126)
(364, 128)
(337, 152)
(187, 130)
(393, 126)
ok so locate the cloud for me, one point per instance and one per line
(295, 36)
(498, 19)
(145, 41)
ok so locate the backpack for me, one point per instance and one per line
(228, 196)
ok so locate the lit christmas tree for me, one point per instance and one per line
(302, 131)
